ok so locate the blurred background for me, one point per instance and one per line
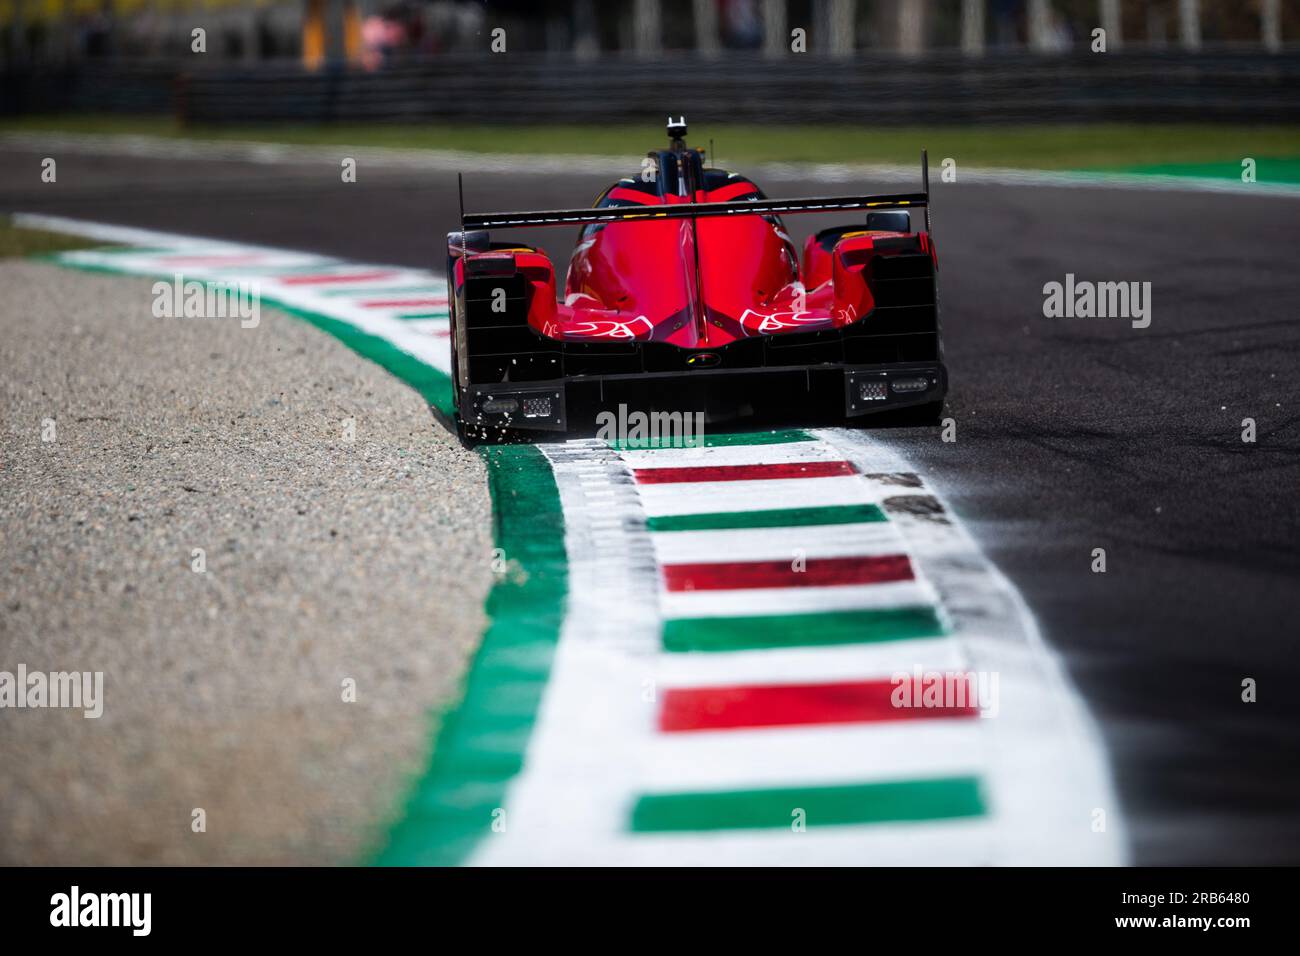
(854, 60)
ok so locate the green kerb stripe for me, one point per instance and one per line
(776, 518)
(1269, 169)
(115, 250)
(713, 441)
(939, 799)
(424, 315)
(481, 742)
(800, 630)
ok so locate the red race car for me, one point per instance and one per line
(685, 294)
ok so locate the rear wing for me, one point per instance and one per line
(689, 210)
(693, 210)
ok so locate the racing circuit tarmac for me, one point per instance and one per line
(1072, 434)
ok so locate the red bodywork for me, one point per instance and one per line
(638, 281)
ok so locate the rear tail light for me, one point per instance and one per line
(872, 391)
(538, 407)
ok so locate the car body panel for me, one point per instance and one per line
(683, 290)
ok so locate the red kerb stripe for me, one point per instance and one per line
(813, 572)
(726, 708)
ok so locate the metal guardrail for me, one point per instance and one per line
(999, 88)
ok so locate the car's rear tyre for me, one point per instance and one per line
(467, 433)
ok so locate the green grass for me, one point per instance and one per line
(1105, 146)
(16, 241)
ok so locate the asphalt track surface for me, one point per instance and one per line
(1072, 434)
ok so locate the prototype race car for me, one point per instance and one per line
(685, 294)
